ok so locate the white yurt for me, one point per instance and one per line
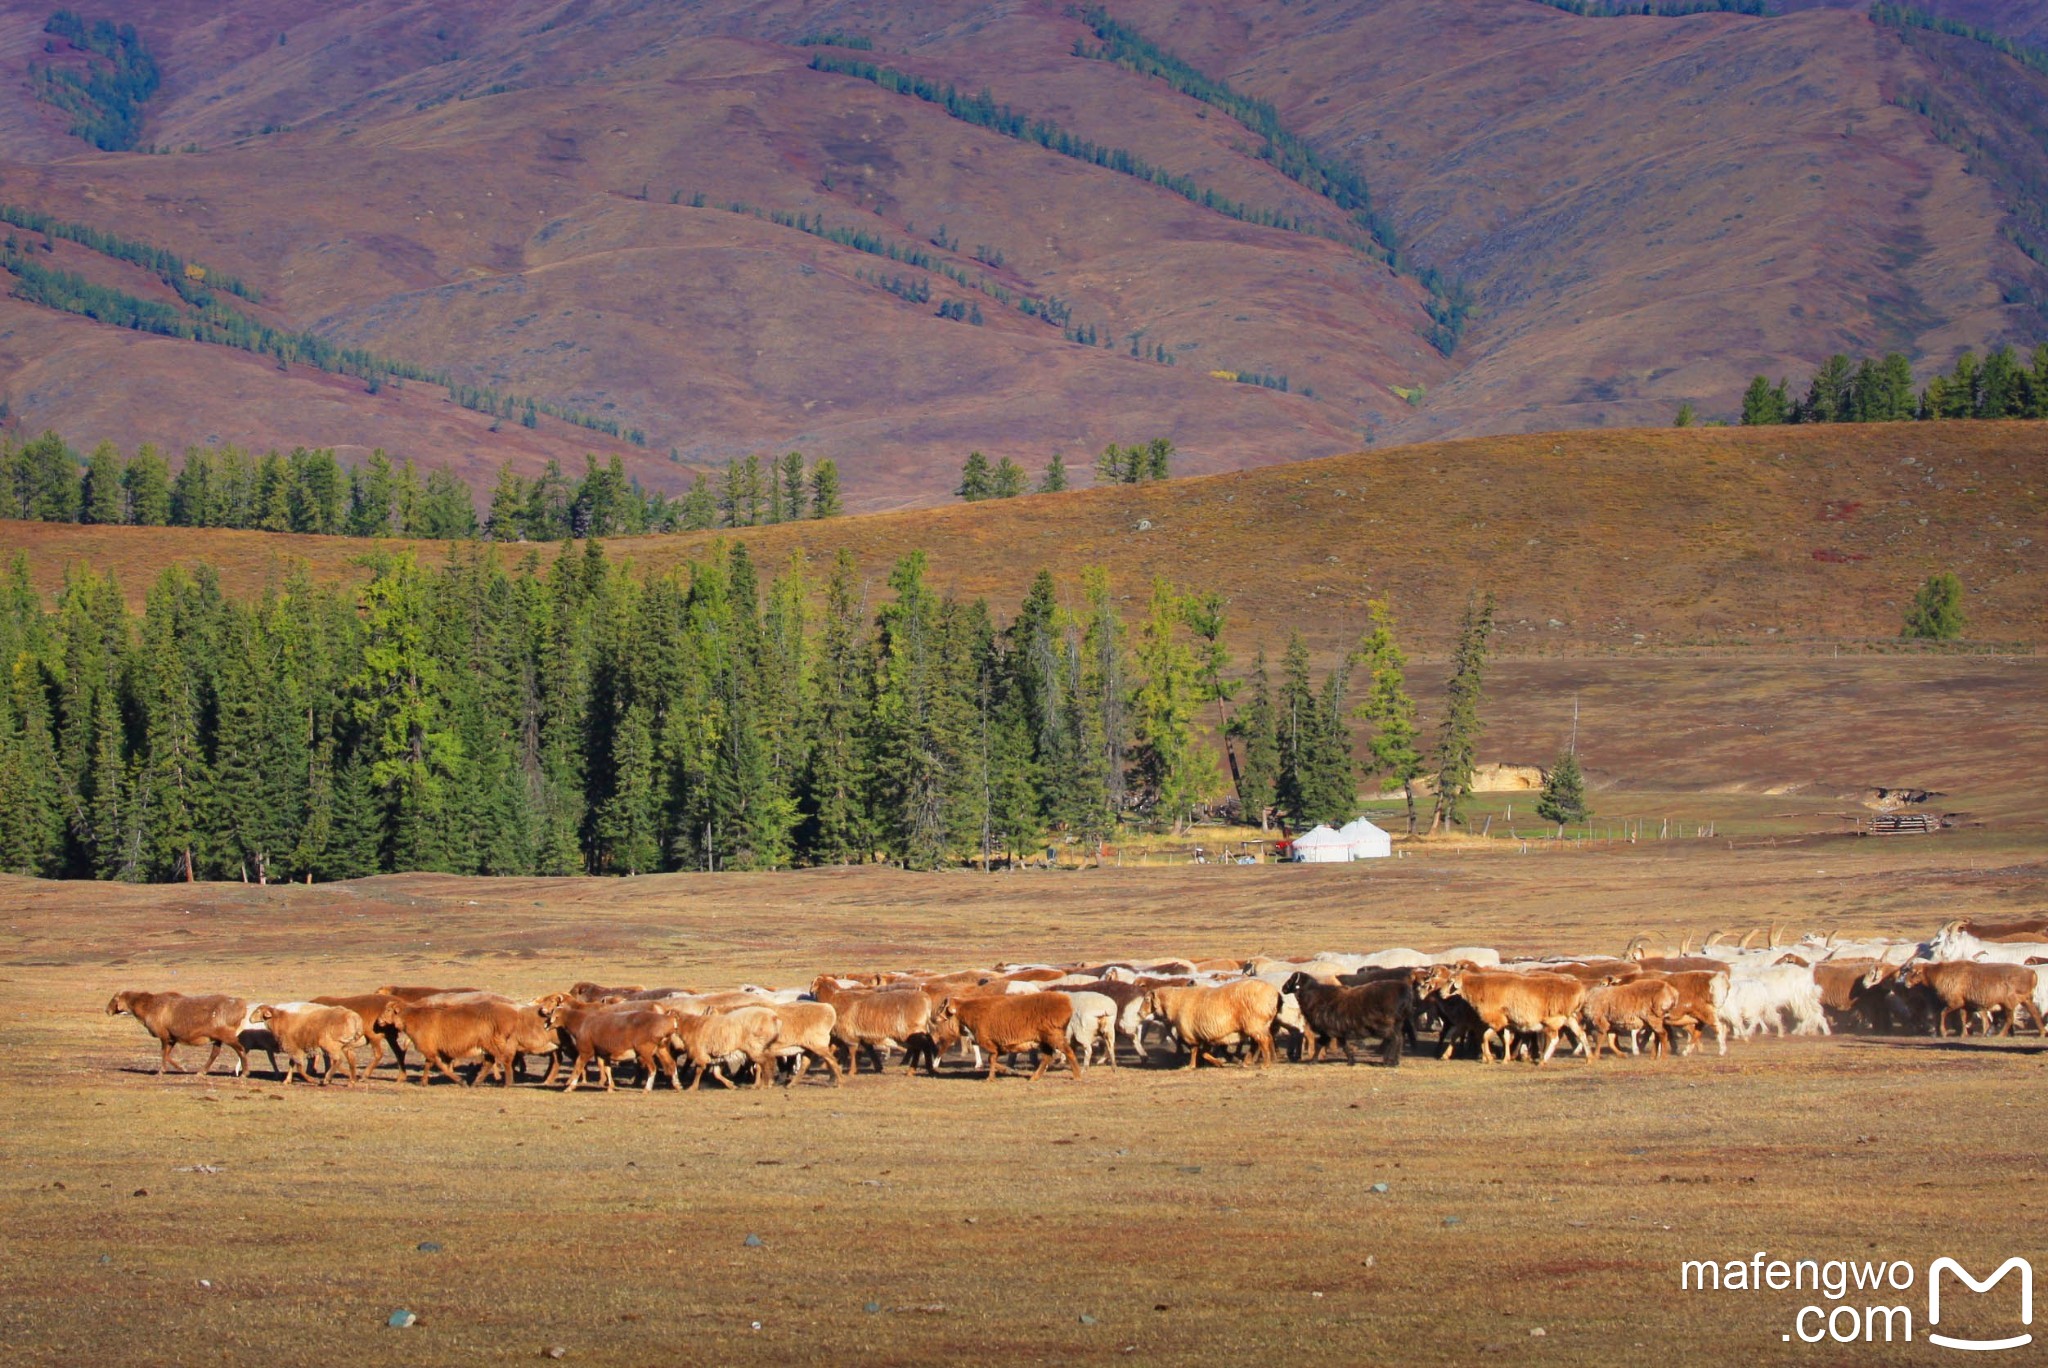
(1321, 845)
(1367, 841)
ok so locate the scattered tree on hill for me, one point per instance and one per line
(2002, 385)
(1458, 734)
(825, 502)
(1055, 478)
(974, 478)
(700, 506)
(1387, 709)
(1685, 415)
(1007, 480)
(1936, 612)
(795, 494)
(1135, 464)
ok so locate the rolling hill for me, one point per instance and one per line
(733, 227)
(1630, 541)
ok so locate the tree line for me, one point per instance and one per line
(1449, 303)
(572, 718)
(2002, 385)
(311, 491)
(206, 317)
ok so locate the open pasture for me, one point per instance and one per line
(1144, 1215)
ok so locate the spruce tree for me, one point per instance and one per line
(825, 502)
(105, 501)
(1006, 481)
(1563, 799)
(1295, 732)
(974, 483)
(1387, 709)
(148, 481)
(1763, 403)
(1685, 415)
(700, 507)
(50, 487)
(1258, 765)
(837, 825)
(506, 520)
(795, 493)
(1054, 480)
(1458, 734)
(913, 764)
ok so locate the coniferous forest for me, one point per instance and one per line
(566, 716)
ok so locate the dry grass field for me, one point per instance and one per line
(1631, 541)
(1143, 1215)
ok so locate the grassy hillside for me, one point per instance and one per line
(543, 201)
(1637, 540)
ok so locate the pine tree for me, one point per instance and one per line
(1170, 759)
(1158, 459)
(398, 697)
(148, 480)
(914, 765)
(506, 520)
(273, 494)
(547, 505)
(174, 779)
(1006, 481)
(1936, 612)
(825, 489)
(371, 489)
(1387, 708)
(837, 825)
(105, 501)
(1685, 415)
(1458, 735)
(49, 479)
(700, 507)
(1256, 766)
(1764, 403)
(974, 478)
(1110, 466)
(795, 493)
(1563, 799)
(1054, 481)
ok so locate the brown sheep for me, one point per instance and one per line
(303, 1027)
(611, 1032)
(445, 1032)
(876, 1021)
(1012, 1022)
(804, 1034)
(1641, 1005)
(175, 1019)
(713, 1037)
(369, 1007)
(1224, 1015)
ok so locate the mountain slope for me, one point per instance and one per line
(671, 221)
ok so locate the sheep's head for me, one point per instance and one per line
(119, 1003)
(264, 1012)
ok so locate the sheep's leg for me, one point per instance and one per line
(838, 1078)
(441, 1064)
(1045, 1062)
(211, 1056)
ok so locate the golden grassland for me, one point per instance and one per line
(1608, 541)
(1145, 1214)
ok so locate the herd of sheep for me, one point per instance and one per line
(1476, 1003)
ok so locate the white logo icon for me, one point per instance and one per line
(2026, 1271)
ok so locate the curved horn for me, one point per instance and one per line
(1776, 932)
(1829, 943)
(1685, 943)
(1712, 936)
(1633, 950)
(1747, 937)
